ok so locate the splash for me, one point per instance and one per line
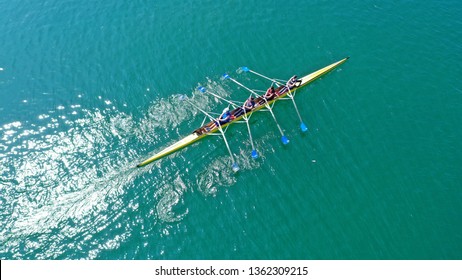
(70, 176)
(59, 170)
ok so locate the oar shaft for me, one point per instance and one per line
(250, 135)
(288, 94)
(278, 83)
(250, 90)
(274, 117)
(234, 165)
(202, 111)
(263, 76)
(246, 119)
(266, 105)
(219, 97)
(226, 142)
(296, 108)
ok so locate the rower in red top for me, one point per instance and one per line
(270, 93)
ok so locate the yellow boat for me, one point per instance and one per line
(210, 128)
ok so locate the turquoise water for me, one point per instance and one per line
(88, 90)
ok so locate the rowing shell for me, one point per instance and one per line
(203, 132)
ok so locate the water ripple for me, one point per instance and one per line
(66, 176)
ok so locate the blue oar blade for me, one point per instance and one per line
(254, 154)
(201, 89)
(225, 76)
(245, 69)
(303, 127)
(235, 167)
(182, 97)
(284, 140)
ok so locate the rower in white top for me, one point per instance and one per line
(291, 83)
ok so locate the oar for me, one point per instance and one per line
(284, 139)
(303, 127)
(234, 166)
(254, 153)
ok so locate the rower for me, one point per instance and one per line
(225, 116)
(270, 93)
(249, 104)
(292, 82)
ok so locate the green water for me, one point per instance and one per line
(87, 91)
